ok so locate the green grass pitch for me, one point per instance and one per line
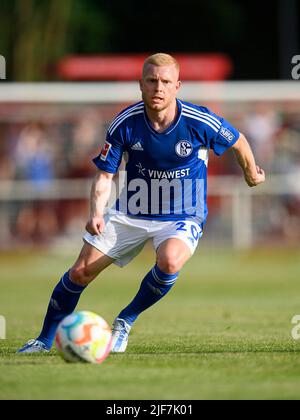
(223, 332)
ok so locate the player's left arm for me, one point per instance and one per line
(253, 174)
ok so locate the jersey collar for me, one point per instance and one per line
(172, 126)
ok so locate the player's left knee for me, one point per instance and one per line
(169, 264)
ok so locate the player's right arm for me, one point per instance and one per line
(100, 193)
(108, 162)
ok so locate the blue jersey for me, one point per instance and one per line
(166, 173)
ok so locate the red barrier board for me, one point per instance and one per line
(194, 67)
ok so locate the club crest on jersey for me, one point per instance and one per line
(105, 151)
(184, 148)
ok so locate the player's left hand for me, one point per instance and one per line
(259, 177)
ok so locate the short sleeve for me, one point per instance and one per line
(111, 154)
(221, 135)
(226, 137)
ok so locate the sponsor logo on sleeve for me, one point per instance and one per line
(227, 134)
(105, 151)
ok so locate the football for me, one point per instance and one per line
(83, 337)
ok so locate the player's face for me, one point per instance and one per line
(159, 86)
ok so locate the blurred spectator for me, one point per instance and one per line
(34, 156)
(287, 146)
(7, 168)
(7, 175)
(36, 222)
(86, 142)
(260, 128)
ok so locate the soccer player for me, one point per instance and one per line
(167, 143)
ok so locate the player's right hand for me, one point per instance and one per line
(95, 225)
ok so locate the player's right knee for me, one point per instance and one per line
(81, 276)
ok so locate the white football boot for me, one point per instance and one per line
(33, 346)
(120, 335)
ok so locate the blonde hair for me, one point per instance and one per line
(161, 59)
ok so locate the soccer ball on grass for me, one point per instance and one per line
(83, 337)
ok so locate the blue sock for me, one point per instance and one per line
(154, 287)
(63, 301)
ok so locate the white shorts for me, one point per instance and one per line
(124, 237)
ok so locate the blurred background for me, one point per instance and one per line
(71, 65)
